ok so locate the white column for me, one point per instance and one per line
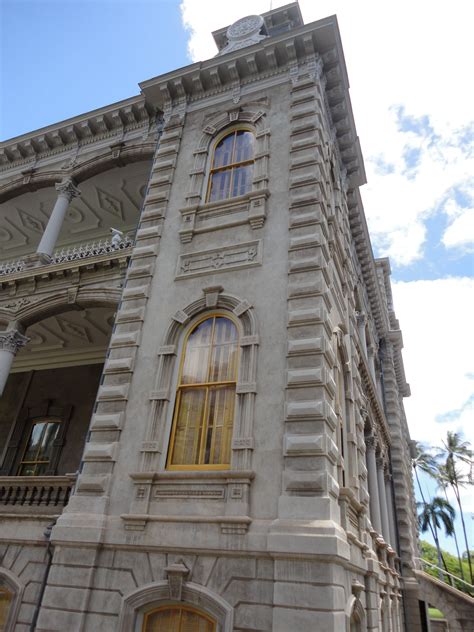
(66, 192)
(361, 320)
(10, 342)
(371, 360)
(373, 486)
(383, 500)
(391, 512)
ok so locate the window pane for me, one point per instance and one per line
(220, 415)
(244, 146)
(5, 601)
(188, 431)
(224, 352)
(242, 180)
(196, 361)
(220, 185)
(27, 469)
(49, 435)
(223, 152)
(34, 442)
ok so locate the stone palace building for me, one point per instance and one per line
(202, 424)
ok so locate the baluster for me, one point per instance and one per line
(40, 495)
(25, 494)
(57, 495)
(34, 491)
(48, 495)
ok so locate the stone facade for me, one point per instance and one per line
(312, 525)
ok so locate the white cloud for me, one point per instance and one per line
(439, 341)
(460, 233)
(410, 53)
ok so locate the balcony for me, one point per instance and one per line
(35, 495)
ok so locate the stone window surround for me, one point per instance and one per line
(249, 208)
(234, 482)
(9, 582)
(157, 594)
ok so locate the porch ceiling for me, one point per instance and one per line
(110, 199)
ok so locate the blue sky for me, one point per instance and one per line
(412, 99)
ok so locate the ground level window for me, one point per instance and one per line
(5, 603)
(37, 456)
(177, 619)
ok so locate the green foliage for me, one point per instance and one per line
(434, 613)
(428, 553)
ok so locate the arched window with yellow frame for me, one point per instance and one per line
(177, 619)
(203, 417)
(6, 598)
(232, 165)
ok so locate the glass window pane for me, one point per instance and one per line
(244, 146)
(196, 360)
(220, 185)
(27, 469)
(5, 602)
(188, 430)
(224, 352)
(242, 180)
(223, 152)
(50, 433)
(34, 442)
(220, 415)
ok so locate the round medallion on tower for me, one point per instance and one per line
(244, 32)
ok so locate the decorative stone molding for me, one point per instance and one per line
(245, 32)
(67, 189)
(135, 604)
(177, 575)
(236, 499)
(12, 341)
(233, 257)
(199, 216)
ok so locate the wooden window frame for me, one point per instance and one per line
(17, 443)
(232, 166)
(180, 387)
(181, 608)
(38, 462)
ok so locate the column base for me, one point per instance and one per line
(36, 260)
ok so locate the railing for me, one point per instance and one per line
(452, 580)
(83, 251)
(35, 491)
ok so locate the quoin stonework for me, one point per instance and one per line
(202, 423)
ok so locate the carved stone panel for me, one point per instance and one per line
(232, 257)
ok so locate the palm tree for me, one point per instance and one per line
(443, 484)
(435, 515)
(456, 450)
(426, 463)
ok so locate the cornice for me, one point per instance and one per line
(92, 127)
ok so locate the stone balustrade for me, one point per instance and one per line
(28, 494)
(74, 253)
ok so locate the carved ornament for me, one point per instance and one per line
(12, 341)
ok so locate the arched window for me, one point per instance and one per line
(205, 398)
(6, 598)
(177, 619)
(232, 166)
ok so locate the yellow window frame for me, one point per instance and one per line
(181, 387)
(181, 609)
(36, 462)
(232, 166)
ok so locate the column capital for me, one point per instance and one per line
(361, 318)
(371, 442)
(67, 188)
(12, 341)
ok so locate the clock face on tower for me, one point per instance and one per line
(245, 27)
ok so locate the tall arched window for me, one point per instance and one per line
(232, 166)
(6, 598)
(205, 397)
(177, 619)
